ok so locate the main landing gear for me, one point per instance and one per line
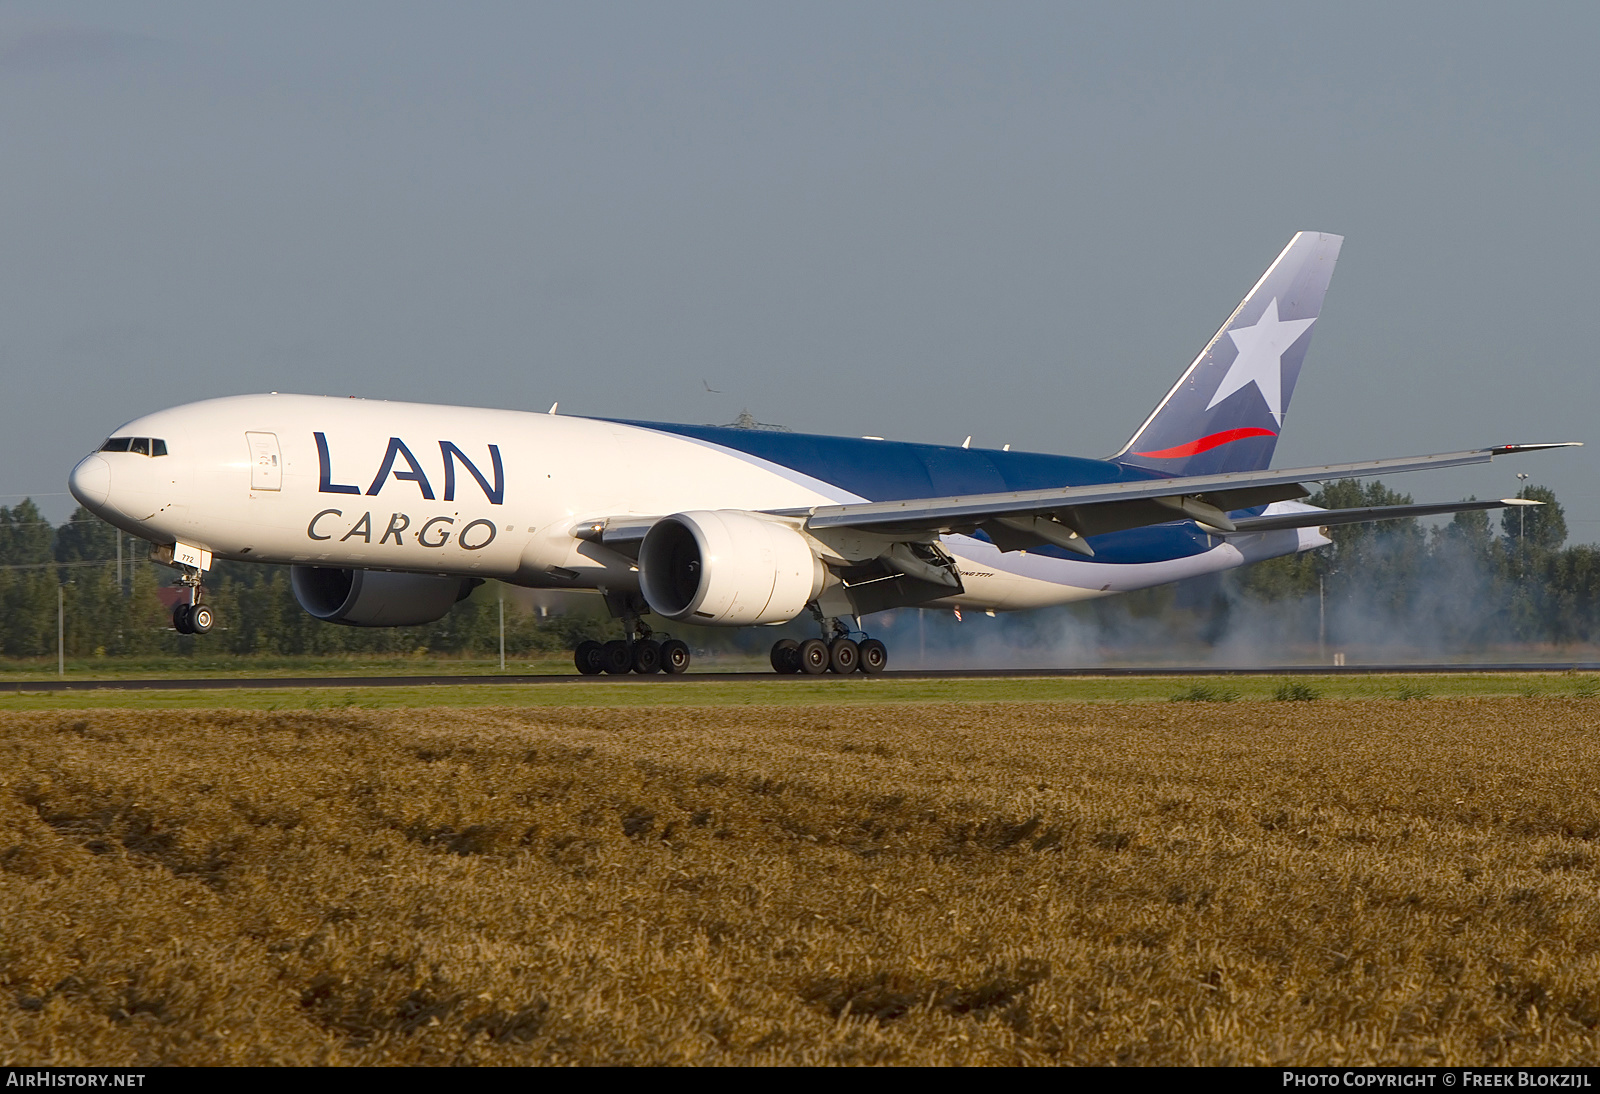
(642, 655)
(640, 652)
(195, 617)
(835, 651)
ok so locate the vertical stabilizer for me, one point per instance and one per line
(1227, 409)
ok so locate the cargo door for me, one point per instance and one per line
(266, 463)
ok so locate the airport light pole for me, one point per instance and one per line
(1522, 539)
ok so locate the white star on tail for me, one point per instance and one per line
(1259, 360)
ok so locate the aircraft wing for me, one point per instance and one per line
(1068, 515)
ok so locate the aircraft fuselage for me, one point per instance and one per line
(484, 493)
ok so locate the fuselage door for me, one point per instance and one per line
(266, 464)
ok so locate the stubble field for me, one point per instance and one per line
(1331, 882)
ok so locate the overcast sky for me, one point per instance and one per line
(921, 221)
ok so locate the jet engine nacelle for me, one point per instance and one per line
(727, 568)
(375, 598)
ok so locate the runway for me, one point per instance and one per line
(231, 683)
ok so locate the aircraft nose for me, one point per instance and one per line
(90, 482)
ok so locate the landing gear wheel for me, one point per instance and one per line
(181, 616)
(587, 656)
(786, 655)
(874, 657)
(674, 657)
(646, 657)
(201, 619)
(843, 656)
(616, 658)
(814, 657)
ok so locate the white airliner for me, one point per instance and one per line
(389, 513)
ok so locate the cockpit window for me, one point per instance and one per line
(145, 446)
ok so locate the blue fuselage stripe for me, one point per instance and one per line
(896, 470)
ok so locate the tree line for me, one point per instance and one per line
(115, 609)
(1471, 583)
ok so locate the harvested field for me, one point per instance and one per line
(1330, 882)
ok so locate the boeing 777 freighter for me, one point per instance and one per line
(389, 513)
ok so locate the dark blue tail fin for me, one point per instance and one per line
(1226, 411)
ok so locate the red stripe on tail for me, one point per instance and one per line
(1206, 444)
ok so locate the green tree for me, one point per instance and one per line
(85, 538)
(28, 593)
(1575, 580)
(85, 551)
(1462, 603)
(1532, 537)
(1541, 527)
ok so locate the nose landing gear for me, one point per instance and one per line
(195, 617)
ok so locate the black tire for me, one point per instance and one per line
(646, 657)
(674, 657)
(786, 655)
(587, 657)
(180, 619)
(843, 656)
(814, 657)
(616, 658)
(201, 619)
(874, 657)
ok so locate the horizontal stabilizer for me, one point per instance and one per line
(1325, 518)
